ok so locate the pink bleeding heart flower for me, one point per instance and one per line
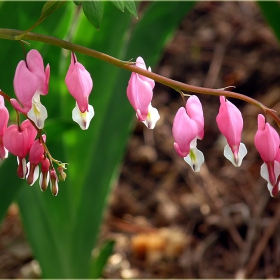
(36, 155)
(188, 126)
(194, 109)
(18, 140)
(79, 84)
(4, 118)
(31, 80)
(140, 94)
(267, 143)
(230, 123)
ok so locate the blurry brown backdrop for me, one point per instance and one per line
(169, 222)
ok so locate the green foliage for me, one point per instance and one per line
(131, 7)
(271, 12)
(94, 12)
(99, 260)
(119, 5)
(49, 8)
(63, 230)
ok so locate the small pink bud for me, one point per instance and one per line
(79, 83)
(36, 155)
(140, 91)
(44, 176)
(54, 182)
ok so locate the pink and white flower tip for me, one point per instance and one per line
(79, 84)
(54, 182)
(188, 126)
(230, 123)
(140, 94)
(31, 80)
(4, 118)
(267, 143)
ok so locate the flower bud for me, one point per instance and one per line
(54, 182)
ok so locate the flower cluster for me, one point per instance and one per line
(188, 127)
(24, 139)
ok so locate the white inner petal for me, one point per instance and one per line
(83, 119)
(195, 159)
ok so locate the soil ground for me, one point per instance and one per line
(169, 222)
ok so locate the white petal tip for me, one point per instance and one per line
(152, 118)
(38, 114)
(230, 156)
(83, 119)
(195, 159)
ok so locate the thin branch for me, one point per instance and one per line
(11, 34)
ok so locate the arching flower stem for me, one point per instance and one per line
(12, 34)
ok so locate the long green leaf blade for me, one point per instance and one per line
(271, 12)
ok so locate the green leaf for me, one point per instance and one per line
(271, 12)
(118, 4)
(49, 8)
(100, 259)
(131, 7)
(77, 3)
(94, 12)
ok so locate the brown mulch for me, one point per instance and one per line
(169, 222)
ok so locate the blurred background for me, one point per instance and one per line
(166, 220)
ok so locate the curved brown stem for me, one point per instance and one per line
(12, 34)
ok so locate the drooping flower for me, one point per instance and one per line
(4, 118)
(188, 126)
(31, 80)
(140, 94)
(267, 143)
(230, 123)
(18, 140)
(79, 84)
